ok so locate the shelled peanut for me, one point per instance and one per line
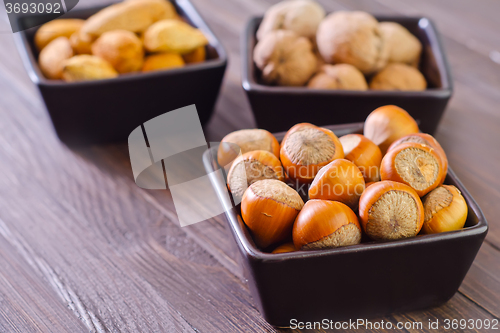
(322, 192)
(130, 37)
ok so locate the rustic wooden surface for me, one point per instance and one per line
(82, 248)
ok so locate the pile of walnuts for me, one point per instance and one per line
(127, 37)
(299, 45)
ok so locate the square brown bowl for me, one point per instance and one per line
(279, 108)
(368, 280)
(108, 110)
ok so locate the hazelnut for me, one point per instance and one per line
(251, 167)
(364, 153)
(340, 181)
(121, 48)
(52, 57)
(398, 77)
(425, 139)
(341, 76)
(352, 38)
(300, 16)
(269, 208)
(324, 224)
(387, 124)
(285, 58)
(162, 61)
(244, 141)
(403, 47)
(390, 210)
(445, 210)
(306, 148)
(284, 248)
(414, 164)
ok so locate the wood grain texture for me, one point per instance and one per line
(82, 248)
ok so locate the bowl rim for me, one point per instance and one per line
(27, 53)
(246, 245)
(250, 85)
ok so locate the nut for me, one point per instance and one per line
(173, 36)
(86, 68)
(445, 210)
(414, 164)
(399, 77)
(341, 76)
(403, 47)
(340, 181)
(306, 148)
(300, 16)
(131, 15)
(323, 224)
(269, 208)
(425, 139)
(352, 38)
(81, 42)
(387, 124)
(285, 58)
(390, 210)
(364, 153)
(198, 55)
(54, 29)
(52, 57)
(251, 167)
(121, 48)
(162, 61)
(284, 248)
(245, 141)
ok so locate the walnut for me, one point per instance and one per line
(300, 16)
(352, 38)
(401, 44)
(398, 77)
(341, 76)
(285, 58)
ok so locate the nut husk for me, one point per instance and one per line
(173, 36)
(300, 16)
(340, 76)
(399, 77)
(86, 68)
(285, 58)
(52, 57)
(121, 48)
(131, 15)
(54, 29)
(403, 47)
(353, 38)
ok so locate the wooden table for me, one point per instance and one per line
(83, 248)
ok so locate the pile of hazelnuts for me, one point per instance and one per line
(317, 191)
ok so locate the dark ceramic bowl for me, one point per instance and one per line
(279, 108)
(108, 110)
(368, 280)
